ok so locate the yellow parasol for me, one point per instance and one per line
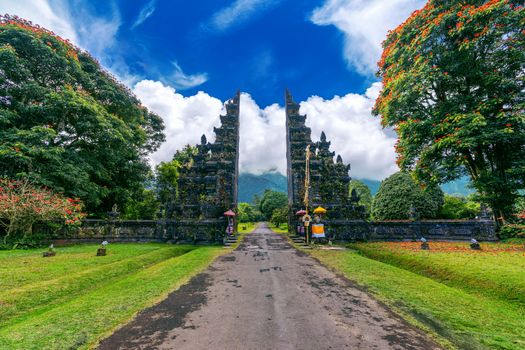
(320, 210)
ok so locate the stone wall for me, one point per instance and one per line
(93, 230)
(437, 230)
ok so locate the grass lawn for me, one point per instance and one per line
(498, 271)
(75, 299)
(283, 228)
(468, 300)
(246, 227)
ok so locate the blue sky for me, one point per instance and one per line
(272, 46)
(183, 59)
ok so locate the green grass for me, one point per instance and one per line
(514, 241)
(458, 317)
(498, 271)
(80, 298)
(283, 228)
(246, 227)
(21, 267)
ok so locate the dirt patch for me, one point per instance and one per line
(228, 258)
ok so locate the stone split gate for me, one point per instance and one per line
(209, 187)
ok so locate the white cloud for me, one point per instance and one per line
(144, 14)
(182, 81)
(43, 13)
(185, 118)
(365, 24)
(355, 134)
(347, 121)
(238, 12)
(262, 137)
(76, 23)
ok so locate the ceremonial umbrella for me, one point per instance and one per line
(320, 210)
(301, 212)
(229, 213)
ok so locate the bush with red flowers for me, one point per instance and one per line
(22, 204)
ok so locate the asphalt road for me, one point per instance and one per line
(268, 295)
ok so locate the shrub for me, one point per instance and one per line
(398, 193)
(22, 204)
(512, 231)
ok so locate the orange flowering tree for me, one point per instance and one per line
(22, 204)
(453, 89)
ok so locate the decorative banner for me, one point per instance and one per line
(318, 231)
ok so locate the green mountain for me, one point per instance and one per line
(458, 187)
(250, 185)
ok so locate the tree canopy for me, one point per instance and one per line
(399, 193)
(247, 212)
(364, 193)
(279, 216)
(453, 89)
(68, 124)
(272, 200)
(167, 173)
(456, 207)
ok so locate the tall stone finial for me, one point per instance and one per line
(323, 136)
(203, 140)
(288, 97)
(237, 97)
(339, 159)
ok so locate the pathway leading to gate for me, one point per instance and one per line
(267, 295)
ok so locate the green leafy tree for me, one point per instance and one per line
(399, 193)
(248, 213)
(144, 207)
(362, 190)
(456, 207)
(272, 200)
(279, 216)
(68, 124)
(454, 90)
(244, 212)
(167, 173)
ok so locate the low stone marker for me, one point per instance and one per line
(424, 244)
(474, 245)
(102, 250)
(50, 252)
